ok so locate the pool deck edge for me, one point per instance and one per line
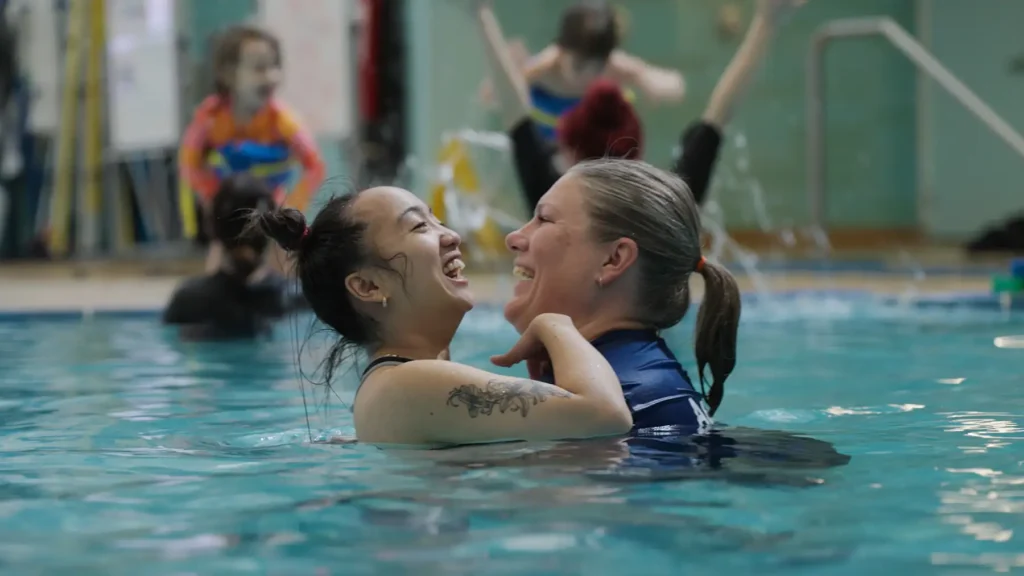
(68, 297)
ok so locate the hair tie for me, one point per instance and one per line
(305, 235)
(700, 265)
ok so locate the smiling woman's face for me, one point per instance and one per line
(556, 260)
(402, 231)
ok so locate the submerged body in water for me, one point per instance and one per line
(741, 455)
(222, 306)
(602, 486)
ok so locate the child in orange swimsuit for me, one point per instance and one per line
(242, 128)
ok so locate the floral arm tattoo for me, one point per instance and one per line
(505, 395)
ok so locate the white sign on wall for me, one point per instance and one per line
(35, 22)
(142, 75)
(315, 39)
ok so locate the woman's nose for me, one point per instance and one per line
(450, 238)
(516, 241)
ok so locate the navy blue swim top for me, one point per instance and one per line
(656, 387)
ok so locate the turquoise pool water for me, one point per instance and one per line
(123, 451)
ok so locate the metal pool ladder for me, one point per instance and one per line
(918, 55)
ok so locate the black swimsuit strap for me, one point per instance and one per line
(384, 360)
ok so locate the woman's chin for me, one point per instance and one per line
(514, 313)
(464, 300)
(460, 293)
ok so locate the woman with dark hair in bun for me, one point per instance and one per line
(384, 274)
(604, 124)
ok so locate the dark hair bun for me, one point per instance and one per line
(287, 226)
(604, 104)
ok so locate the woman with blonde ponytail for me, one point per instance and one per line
(613, 246)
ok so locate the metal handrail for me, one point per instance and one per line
(918, 55)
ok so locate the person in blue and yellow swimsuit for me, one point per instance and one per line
(587, 48)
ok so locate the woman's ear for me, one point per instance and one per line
(363, 288)
(621, 254)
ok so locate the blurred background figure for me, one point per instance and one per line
(587, 47)
(244, 295)
(243, 128)
(605, 124)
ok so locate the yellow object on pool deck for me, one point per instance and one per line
(187, 207)
(459, 177)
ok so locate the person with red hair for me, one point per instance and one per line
(605, 124)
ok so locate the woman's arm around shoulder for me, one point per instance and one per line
(440, 402)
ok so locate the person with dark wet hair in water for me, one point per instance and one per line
(244, 296)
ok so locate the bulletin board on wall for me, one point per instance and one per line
(315, 40)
